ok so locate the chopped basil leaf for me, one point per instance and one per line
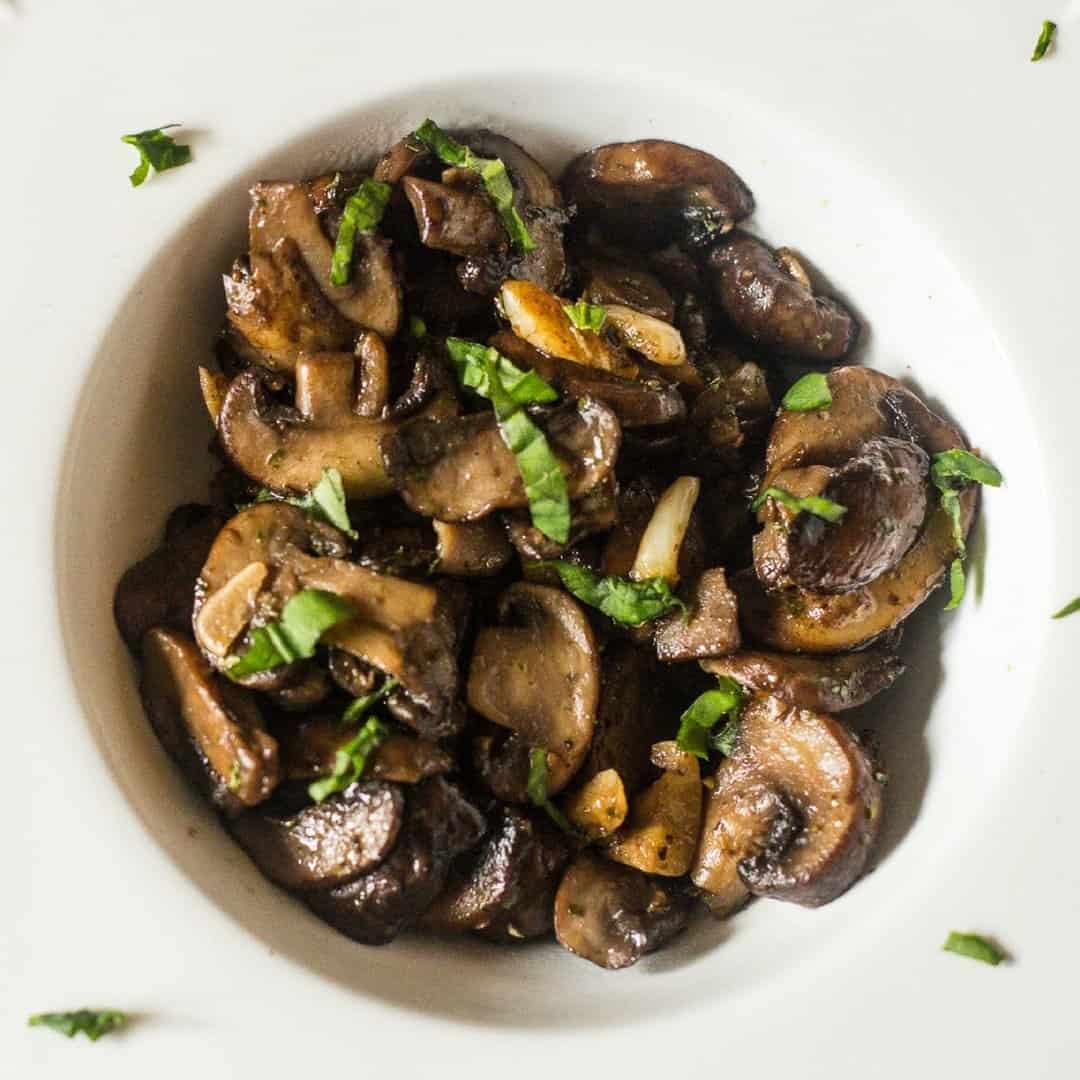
(957, 583)
(817, 505)
(351, 760)
(417, 327)
(622, 599)
(491, 170)
(93, 1023)
(508, 389)
(1070, 608)
(538, 793)
(156, 149)
(326, 500)
(363, 211)
(973, 946)
(304, 619)
(950, 503)
(361, 706)
(808, 394)
(705, 712)
(586, 316)
(1046, 36)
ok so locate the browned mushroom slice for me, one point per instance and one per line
(735, 408)
(454, 219)
(772, 303)
(794, 811)
(440, 824)
(538, 674)
(276, 310)
(598, 807)
(636, 402)
(471, 548)
(609, 282)
(307, 686)
(323, 846)
(825, 684)
(632, 180)
(613, 915)
(371, 299)
(460, 469)
(211, 729)
(398, 161)
(712, 628)
(507, 890)
(288, 450)
(866, 405)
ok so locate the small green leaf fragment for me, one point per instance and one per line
(704, 713)
(1070, 608)
(817, 505)
(537, 790)
(1045, 39)
(809, 394)
(364, 210)
(586, 316)
(621, 599)
(957, 583)
(156, 149)
(351, 760)
(974, 947)
(93, 1023)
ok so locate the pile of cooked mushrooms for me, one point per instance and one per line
(547, 544)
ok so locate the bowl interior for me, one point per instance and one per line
(138, 447)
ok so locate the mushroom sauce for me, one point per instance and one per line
(551, 533)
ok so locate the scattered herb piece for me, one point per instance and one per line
(1070, 608)
(234, 777)
(93, 1023)
(304, 619)
(538, 793)
(417, 327)
(817, 505)
(696, 725)
(1046, 37)
(973, 946)
(622, 599)
(351, 760)
(363, 211)
(156, 149)
(509, 389)
(808, 394)
(326, 500)
(491, 170)
(957, 583)
(586, 316)
(361, 706)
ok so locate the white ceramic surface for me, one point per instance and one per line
(927, 169)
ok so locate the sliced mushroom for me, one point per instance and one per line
(608, 282)
(507, 889)
(772, 306)
(613, 915)
(712, 627)
(307, 687)
(598, 807)
(866, 405)
(661, 834)
(288, 450)
(471, 548)
(211, 729)
(733, 411)
(693, 192)
(460, 469)
(538, 674)
(324, 845)
(825, 684)
(440, 824)
(454, 219)
(794, 811)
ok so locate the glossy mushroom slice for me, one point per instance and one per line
(440, 824)
(212, 729)
(471, 548)
(325, 845)
(612, 915)
(506, 890)
(457, 219)
(287, 450)
(599, 807)
(794, 811)
(710, 628)
(696, 195)
(866, 405)
(460, 469)
(823, 684)
(537, 673)
(607, 281)
(767, 295)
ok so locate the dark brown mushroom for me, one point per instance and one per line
(606, 281)
(710, 629)
(823, 684)
(612, 915)
(212, 729)
(596, 511)
(325, 845)
(454, 219)
(794, 811)
(471, 548)
(771, 302)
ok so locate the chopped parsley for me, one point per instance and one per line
(157, 150)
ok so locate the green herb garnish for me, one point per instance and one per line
(973, 946)
(491, 170)
(361, 706)
(156, 149)
(808, 394)
(622, 599)
(586, 316)
(93, 1023)
(1070, 608)
(509, 389)
(364, 210)
(696, 725)
(817, 505)
(304, 619)
(417, 327)
(326, 500)
(1046, 36)
(351, 760)
(538, 793)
